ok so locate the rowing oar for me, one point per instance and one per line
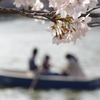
(34, 81)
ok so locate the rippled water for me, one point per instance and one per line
(18, 38)
(62, 94)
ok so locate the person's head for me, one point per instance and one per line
(35, 51)
(69, 56)
(47, 57)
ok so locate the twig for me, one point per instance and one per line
(25, 13)
(92, 14)
(94, 24)
(45, 15)
(89, 11)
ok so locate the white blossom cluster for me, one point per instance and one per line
(69, 25)
(73, 8)
(70, 30)
(35, 4)
(72, 26)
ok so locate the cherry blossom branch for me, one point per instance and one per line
(92, 14)
(48, 15)
(25, 13)
(89, 11)
(69, 18)
(95, 15)
(45, 15)
(94, 24)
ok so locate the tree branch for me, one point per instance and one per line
(94, 15)
(89, 11)
(25, 13)
(94, 24)
(37, 14)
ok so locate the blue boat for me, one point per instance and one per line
(25, 78)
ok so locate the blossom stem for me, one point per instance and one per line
(26, 13)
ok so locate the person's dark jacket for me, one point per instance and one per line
(32, 64)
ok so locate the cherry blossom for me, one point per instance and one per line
(18, 3)
(93, 3)
(69, 30)
(35, 4)
(68, 25)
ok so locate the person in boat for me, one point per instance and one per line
(74, 69)
(32, 64)
(46, 65)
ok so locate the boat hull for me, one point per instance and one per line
(46, 84)
(50, 81)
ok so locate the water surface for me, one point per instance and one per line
(18, 38)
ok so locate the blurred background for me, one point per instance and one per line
(18, 37)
